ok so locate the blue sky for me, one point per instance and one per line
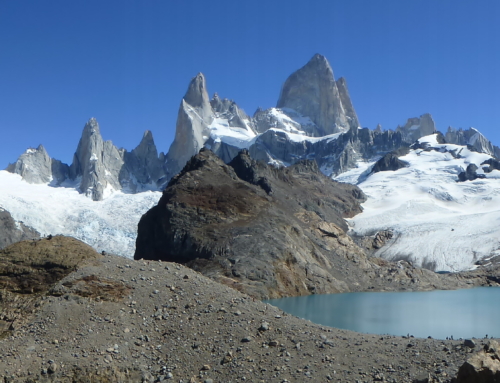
(128, 63)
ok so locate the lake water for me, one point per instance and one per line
(459, 313)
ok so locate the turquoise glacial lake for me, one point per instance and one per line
(459, 313)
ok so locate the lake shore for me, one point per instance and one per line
(118, 320)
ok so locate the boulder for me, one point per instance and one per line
(389, 162)
(482, 367)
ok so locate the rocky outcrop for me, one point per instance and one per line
(492, 165)
(389, 162)
(270, 232)
(470, 174)
(36, 167)
(12, 231)
(482, 367)
(313, 92)
(417, 127)
(473, 139)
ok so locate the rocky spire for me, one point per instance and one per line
(191, 131)
(346, 103)
(143, 164)
(313, 92)
(98, 163)
(417, 127)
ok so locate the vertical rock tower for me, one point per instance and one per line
(312, 91)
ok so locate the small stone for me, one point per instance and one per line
(237, 313)
(264, 326)
(52, 368)
(186, 276)
(469, 343)
(169, 375)
(247, 339)
(273, 343)
(126, 330)
(205, 367)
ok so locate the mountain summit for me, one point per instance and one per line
(313, 92)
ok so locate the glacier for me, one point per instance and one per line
(437, 222)
(109, 225)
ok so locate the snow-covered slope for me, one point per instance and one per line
(437, 222)
(109, 225)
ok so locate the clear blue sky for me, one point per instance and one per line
(128, 63)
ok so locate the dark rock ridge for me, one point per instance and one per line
(261, 228)
(391, 161)
(98, 166)
(470, 174)
(270, 232)
(12, 231)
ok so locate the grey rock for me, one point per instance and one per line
(36, 167)
(469, 343)
(143, 167)
(345, 98)
(482, 367)
(12, 231)
(417, 127)
(473, 139)
(492, 163)
(470, 174)
(389, 162)
(313, 92)
(96, 162)
(191, 131)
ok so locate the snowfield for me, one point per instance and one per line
(437, 222)
(109, 225)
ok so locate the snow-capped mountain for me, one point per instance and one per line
(437, 222)
(413, 191)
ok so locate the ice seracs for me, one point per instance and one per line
(437, 222)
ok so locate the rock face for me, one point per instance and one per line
(35, 166)
(473, 139)
(482, 367)
(389, 162)
(211, 214)
(12, 231)
(470, 174)
(98, 163)
(417, 127)
(191, 131)
(313, 92)
(143, 167)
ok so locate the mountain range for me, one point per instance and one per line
(314, 119)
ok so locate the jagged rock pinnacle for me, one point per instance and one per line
(313, 92)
